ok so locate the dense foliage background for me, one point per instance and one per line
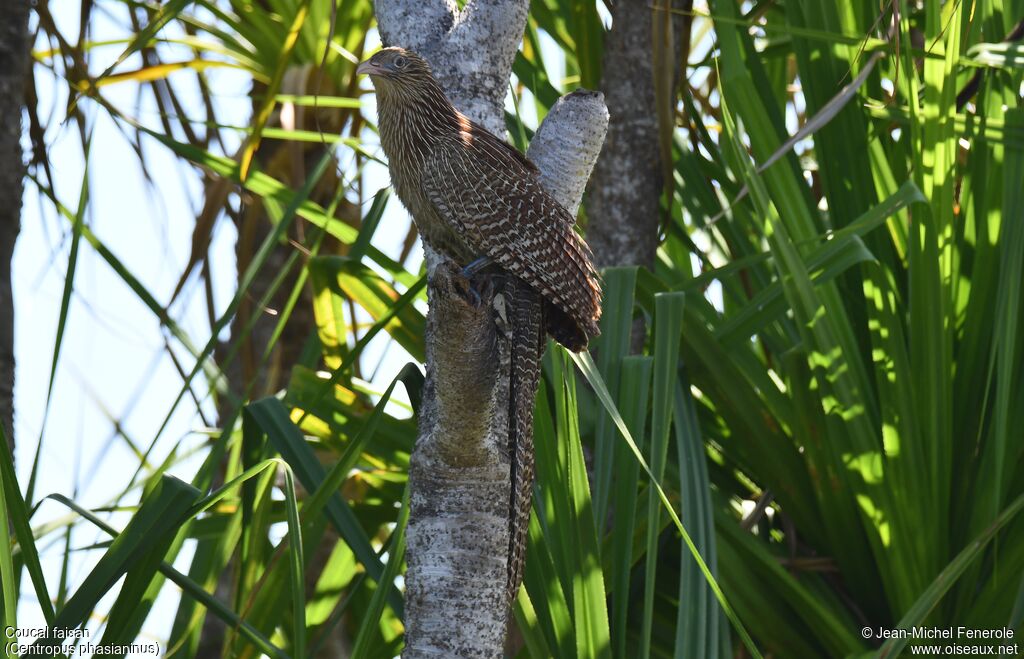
(825, 379)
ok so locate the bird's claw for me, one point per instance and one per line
(465, 288)
(476, 266)
(468, 273)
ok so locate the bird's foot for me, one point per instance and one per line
(468, 273)
(476, 266)
(465, 288)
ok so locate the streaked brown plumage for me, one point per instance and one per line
(473, 195)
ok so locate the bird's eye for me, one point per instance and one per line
(399, 62)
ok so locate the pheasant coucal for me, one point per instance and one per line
(476, 199)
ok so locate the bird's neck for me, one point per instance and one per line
(412, 121)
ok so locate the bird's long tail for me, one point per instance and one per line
(526, 315)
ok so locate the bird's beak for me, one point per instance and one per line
(368, 68)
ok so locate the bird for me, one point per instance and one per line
(480, 202)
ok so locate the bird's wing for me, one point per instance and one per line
(502, 211)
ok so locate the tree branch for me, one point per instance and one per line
(568, 143)
(419, 26)
(480, 51)
(14, 48)
(624, 206)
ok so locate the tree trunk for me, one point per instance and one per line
(458, 534)
(623, 207)
(13, 72)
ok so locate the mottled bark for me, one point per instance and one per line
(458, 535)
(624, 200)
(13, 72)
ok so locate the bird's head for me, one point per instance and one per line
(408, 92)
(395, 66)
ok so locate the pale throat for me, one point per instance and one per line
(410, 120)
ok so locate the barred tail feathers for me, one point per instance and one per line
(527, 324)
